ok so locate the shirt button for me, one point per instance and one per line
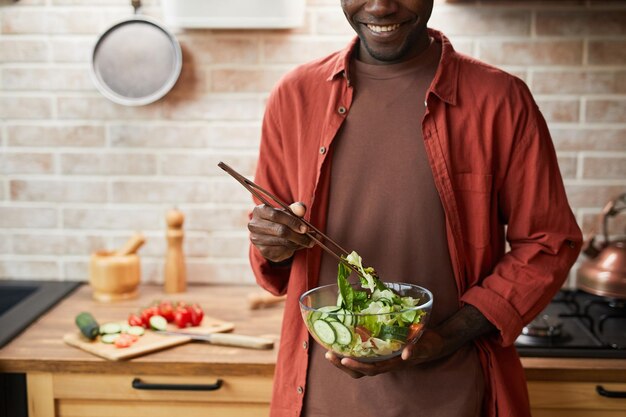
(323, 150)
(300, 390)
(305, 345)
(342, 110)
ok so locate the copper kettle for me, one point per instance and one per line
(604, 274)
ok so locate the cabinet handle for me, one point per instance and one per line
(611, 394)
(138, 384)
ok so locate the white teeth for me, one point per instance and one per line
(379, 29)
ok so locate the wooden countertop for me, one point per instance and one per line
(41, 349)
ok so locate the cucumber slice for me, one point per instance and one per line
(344, 336)
(158, 323)
(109, 338)
(326, 310)
(88, 325)
(314, 316)
(124, 327)
(347, 318)
(324, 331)
(135, 330)
(110, 328)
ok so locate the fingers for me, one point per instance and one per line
(358, 369)
(298, 208)
(276, 233)
(334, 359)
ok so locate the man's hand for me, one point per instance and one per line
(277, 234)
(429, 347)
(465, 325)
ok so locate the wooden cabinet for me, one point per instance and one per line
(94, 395)
(575, 399)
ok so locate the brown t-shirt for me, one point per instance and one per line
(384, 204)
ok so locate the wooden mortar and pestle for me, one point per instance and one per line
(115, 275)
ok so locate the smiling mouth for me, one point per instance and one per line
(383, 29)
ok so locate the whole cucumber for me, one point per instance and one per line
(88, 325)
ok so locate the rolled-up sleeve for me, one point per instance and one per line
(542, 232)
(272, 175)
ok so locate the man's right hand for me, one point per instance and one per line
(276, 234)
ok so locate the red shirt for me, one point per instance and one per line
(494, 165)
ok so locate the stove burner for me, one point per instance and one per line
(577, 324)
(544, 326)
(545, 330)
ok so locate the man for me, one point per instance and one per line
(417, 157)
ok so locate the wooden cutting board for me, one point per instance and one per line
(149, 342)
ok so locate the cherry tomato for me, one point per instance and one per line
(196, 313)
(166, 309)
(148, 312)
(182, 317)
(135, 320)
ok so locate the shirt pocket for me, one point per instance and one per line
(473, 195)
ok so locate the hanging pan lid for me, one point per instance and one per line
(136, 61)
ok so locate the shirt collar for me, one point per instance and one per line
(444, 84)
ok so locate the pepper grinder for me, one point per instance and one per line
(175, 273)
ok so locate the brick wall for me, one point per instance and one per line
(78, 173)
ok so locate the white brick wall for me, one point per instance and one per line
(79, 173)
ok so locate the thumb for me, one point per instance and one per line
(298, 208)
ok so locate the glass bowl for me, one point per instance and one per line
(377, 333)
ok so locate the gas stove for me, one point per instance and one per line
(577, 325)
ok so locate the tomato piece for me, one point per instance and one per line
(196, 314)
(415, 330)
(135, 320)
(166, 309)
(124, 341)
(182, 317)
(363, 333)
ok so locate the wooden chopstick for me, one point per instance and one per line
(256, 190)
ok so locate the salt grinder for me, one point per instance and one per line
(175, 273)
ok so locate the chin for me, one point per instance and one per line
(386, 54)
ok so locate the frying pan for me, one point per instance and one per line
(136, 61)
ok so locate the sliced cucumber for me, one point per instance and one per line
(124, 327)
(109, 337)
(344, 336)
(324, 331)
(347, 318)
(314, 316)
(158, 323)
(135, 330)
(110, 328)
(328, 309)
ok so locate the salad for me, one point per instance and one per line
(371, 322)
